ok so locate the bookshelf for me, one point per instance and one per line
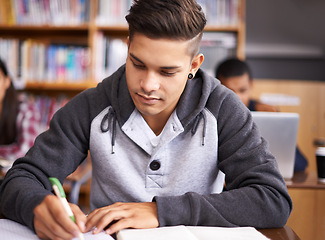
(49, 25)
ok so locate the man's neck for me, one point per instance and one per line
(156, 123)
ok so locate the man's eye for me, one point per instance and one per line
(168, 74)
(139, 66)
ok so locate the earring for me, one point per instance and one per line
(190, 76)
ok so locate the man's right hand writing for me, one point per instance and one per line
(52, 222)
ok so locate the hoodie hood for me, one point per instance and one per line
(190, 105)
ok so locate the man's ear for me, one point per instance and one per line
(196, 63)
(128, 41)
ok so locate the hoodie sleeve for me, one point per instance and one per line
(56, 153)
(255, 193)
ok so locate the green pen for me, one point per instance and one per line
(59, 192)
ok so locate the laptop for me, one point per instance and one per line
(280, 130)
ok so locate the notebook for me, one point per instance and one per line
(15, 231)
(280, 130)
(191, 233)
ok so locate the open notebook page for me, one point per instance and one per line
(226, 233)
(15, 231)
(162, 233)
(191, 233)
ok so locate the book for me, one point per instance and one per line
(112, 12)
(216, 47)
(191, 233)
(221, 12)
(111, 53)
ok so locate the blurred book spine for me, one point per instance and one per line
(216, 47)
(221, 12)
(44, 12)
(110, 54)
(34, 61)
(112, 12)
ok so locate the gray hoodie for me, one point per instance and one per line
(209, 166)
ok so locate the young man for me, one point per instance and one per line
(159, 131)
(236, 75)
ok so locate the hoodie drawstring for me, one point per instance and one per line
(105, 125)
(196, 124)
(110, 119)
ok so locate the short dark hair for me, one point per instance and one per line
(233, 67)
(170, 19)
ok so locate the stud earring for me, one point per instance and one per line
(190, 76)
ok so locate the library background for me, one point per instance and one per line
(54, 49)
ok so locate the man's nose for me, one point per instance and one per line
(150, 82)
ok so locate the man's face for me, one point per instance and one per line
(241, 85)
(156, 73)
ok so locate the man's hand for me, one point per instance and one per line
(52, 222)
(123, 215)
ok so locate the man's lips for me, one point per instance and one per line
(148, 100)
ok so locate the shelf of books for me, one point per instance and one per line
(70, 44)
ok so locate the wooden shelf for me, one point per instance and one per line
(48, 32)
(60, 86)
(210, 28)
(117, 28)
(82, 27)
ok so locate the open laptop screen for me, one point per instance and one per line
(280, 130)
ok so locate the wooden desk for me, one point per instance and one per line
(305, 180)
(285, 233)
(308, 215)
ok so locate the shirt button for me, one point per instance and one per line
(155, 165)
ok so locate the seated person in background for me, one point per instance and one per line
(237, 76)
(18, 120)
(163, 136)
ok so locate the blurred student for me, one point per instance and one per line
(18, 119)
(237, 76)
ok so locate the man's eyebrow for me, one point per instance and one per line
(170, 67)
(136, 58)
(163, 67)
